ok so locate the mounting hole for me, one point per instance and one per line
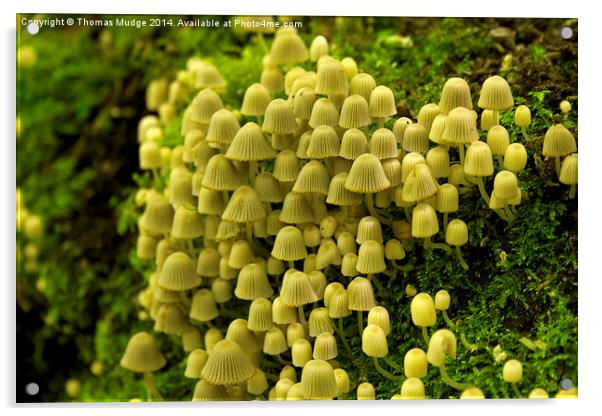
(566, 32)
(33, 28)
(32, 389)
(566, 383)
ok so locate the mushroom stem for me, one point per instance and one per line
(557, 165)
(572, 191)
(447, 379)
(156, 179)
(341, 332)
(470, 347)
(184, 299)
(408, 213)
(372, 210)
(425, 335)
(461, 153)
(445, 221)
(223, 311)
(524, 132)
(360, 324)
(380, 122)
(502, 214)
(151, 388)
(392, 363)
(372, 279)
(451, 325)
(508, 213)
(495, 115)
(461, 258)
(516, 391)
(448, 321)
(258, 248)
(190, 247)
(482, 190)
(226, 197)
(282, 360)
(301, 315)
(500, 161)
(252, 171)
(382, 370)
(428, 244)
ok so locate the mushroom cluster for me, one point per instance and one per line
(294, 205)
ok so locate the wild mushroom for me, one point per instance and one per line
(143, 356)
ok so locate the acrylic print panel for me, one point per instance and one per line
(294, 208)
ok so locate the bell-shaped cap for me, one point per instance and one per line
(441, 344)
(349, 265)
(256, 100)
(353, 144)
(479, 160)
(438, 128)
(207, 392)
(179, 273)
(301, 352)
(329, 291)
(382, 102)
(350, 66)
(512, 371)
(331, 78)
(250, 144)
(296, 289)
(318, 282)
(142, 354)
(289, 244)
(437, 159)
(374, 342)
(522, 116)
(498, 140)
(505, 185)
(258, 383)
(211, 338)
(311, 236)
(412, 389)
(318, 380)
(283, 314)
(296, 209)
(456, 233)
(415, 363)
(355, 112)
(537, 393)
(399, 128)
(239, 332)
(338, 194)
(272, 78)
(496, 94)
(366, 391)
(203, 105)
(328, 253)
(568, 170)
(338, 305)
(279, 117)
(362, 84)
(472, 393)
(244, 206)
(210, 202)
(383, 144)
(515, 157)
(369, 228)
(460, 127)
(415, 138)
(195, 362)
(323, 143)
(442, 300)
(323, 113)
(420, 184)
(252, 283)
(222, 127)
(346, 243)
(455, 93)
(360, 294)
(221, 175)
(227, 230)
(288, 48)
(313, 178)
(380, 316)
(325, 347)
(371, 258)
(286, 166)
(319, 321)
(367, 175)
(180, 187)
(558, 141)
(408, 162)
(227, 364)
(149, 156)
(203, 307)
(191, 339)
(489, 119)
(158, 214)
(447, 198)
(187, 223)
(274, 342)
(268, 188)
(303, 103)
(427, 115)
(221, 289)
(169, 319)
(423, 310)
(394, 250)
(206, 75)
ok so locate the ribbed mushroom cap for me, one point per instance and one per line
(201, 153)
(427, 115)
(408, 162)
(383, 144)
(239, 333)
(210, 202)
(195, 363)
(447, 198)
(221, 175)
(280, 390)
(456, 233)
(558, 141)
(179, 273)
(382, 102)
(392, 168)
(374, 341)
(325, 347)
(353, 144)
(367, 175)
(415, 138)
(338, 305)
(211, 338)
(227, 230)
(568, 170)
(438, 128)
(283, 314)
(437, 159)
(415, 363)
(296, 289)
(366, 391)
(399, 128)
(256, 100)
(164, 295)
(295, 209)
(361, 294)
(498, 140)
(309, 263)
(294, 332)
(442, 343)
(442, 300)
(274, 266)
(318, 282)
(272, 79)
(286, 166)
(289, 244)
(274, 342)
(287, 48)
(318, 380)
(456, 175)
(489, 119)
(495, 202)
(222, 290)
(303, 144)
(380, 316)
(149, 155)
(522, 116)
(311, 236)
(362, 84)
(313, 178)
(328, 226)
(303, 103)
(423, 310)
(346, 243)
(319, 321)
(496, 94)
(250, 144)
(355, 112)
(279, 117)
(258, 383)
(324, 112)
(328, 253)
(412, 389)
(324, 142)
(268, 188)
(394, 250)
(348, 265)
(419, 184)
(369, 228)
(204, 104)
(207, 392)
(206, 75)
(222, 127)
(187, 223)
(513, 371)
(505, 185)
(203, 307)
(329, 291)
(170, 320)
(142, 355)
(244, 206)
(515, 157)
(455, 93)
(371, 258)
(306, 80)
(158, 214)
(252, 283)
(291, 76)
(227, 364)
(479, 160)
(180, 187)
(331, 78)
(460, 127)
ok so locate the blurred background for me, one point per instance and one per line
(80, 95)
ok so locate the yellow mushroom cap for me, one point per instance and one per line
(420, 184)
(250, 144)
(156, 219)
(496, 94)
(210, 202)
(222, 127)
(447, 198)
(438, 128)
(505, 185)
(360, 294)
(423, 310)
(287, 48)
(408, 162)
(272, 79)
(279, 117)
(289, 244)
(513, 371)
(258, 383)
(380, 316)
(206, 75)
(498, 140)
(455, 93)
(369, 228)
(256, 100)
(568, 170)
(283, 314)
(286, 166)
(441, 343)
(412, 389)
(252, 283)
(415, 138)
(142, 355)
(346, 243)
(362, 84)
(244, 206)
(187, 223)
(355, 112)
(460, 127)
(318, 380)
(301, 352)
(221, 289)
(383, 144)
(371, 258)
(221, 175)
(227, 364)
(203, 105)
(274, 342)
(311, 235)
(538, 393)
(365, 391)
(195, 363)
(415, 363)
(424, 221)
(296, 209)
(179, 273)
(318, 282)
(343, 382)
(353, 144)
(180, 187)
(303, 103)
(565, 106)
(313, 178)
(442, 300)
(226, 230)
(328, 253)
(296, 289)
(319, 321)
(394, 250)
(239, 333)
(367, 175)
(457, 233)
(260, 315)
(567, 394)
(324, 112)
(382, 102)
(212, 337)
(437, 159)
(325, 347)
(515, 157)
(472, 393)
(323, 143)
(203, 307)
(427, 115)
(558, 141)
(338, 305)
(295, 331)
(207, 392)
(149, 155)
(268, 188)
(489, 119)
(331, 78)
(479, 160)
(350, 66)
